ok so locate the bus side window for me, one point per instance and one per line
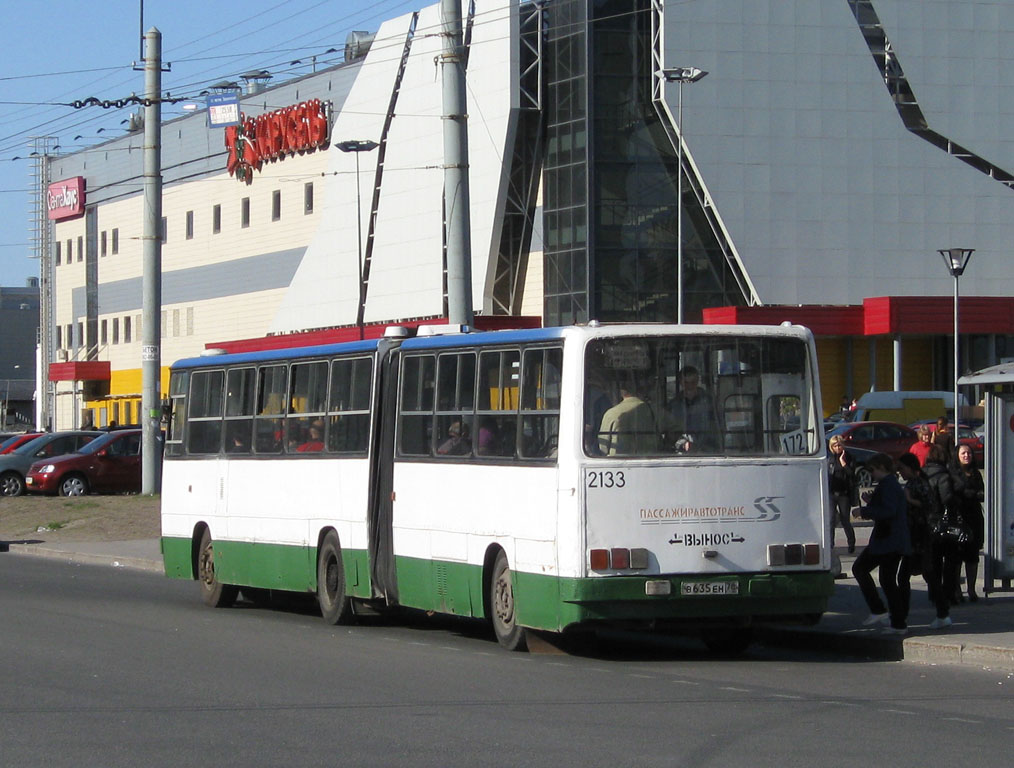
(177, 417)
(540, 402)
(455, 404)
(497, 403)
(204, 434)
(349, 405)
(240, 392)
(304, 427)
(415, 427)
(271, 389)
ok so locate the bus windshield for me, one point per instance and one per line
(698, 395)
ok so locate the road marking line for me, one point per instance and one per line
(736, 690)
(960, 720)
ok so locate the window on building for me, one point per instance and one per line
(70, 336)
(216, 219)
(59, 337)
(103, 333)
(308, 197)
(176, 322)
(276, 205)
(79, 339)
(190, 321)
(70, 251)
(137, 326)
(190, 225)
(116, 330)
(102, 243)
(116, 241)
(56, 253)
(80, 248)
(126, 329)
(164, 229)
(244, 212)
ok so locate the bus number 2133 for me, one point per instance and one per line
(606, 479)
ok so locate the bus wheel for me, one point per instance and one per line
(334, 603)
(509, 633)
(728, 641)
(213, 592)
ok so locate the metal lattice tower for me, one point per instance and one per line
(40, 232)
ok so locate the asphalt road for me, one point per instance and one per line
(110, 667)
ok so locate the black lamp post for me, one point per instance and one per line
(356, 146)
(956, 259)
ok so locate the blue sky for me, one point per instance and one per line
(66, 50)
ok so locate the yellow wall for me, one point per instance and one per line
(124, 388)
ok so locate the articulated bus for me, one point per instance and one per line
(549, 479)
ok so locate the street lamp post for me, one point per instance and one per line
(956, 259)
(680, 75)
(7, 401)
(356, 146)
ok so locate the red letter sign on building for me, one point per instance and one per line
(273, 136)
(66, 199)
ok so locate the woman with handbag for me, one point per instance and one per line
(970, 492)
(942, 577)
(842, 481)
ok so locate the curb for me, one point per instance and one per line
(85, 558)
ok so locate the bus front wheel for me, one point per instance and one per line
(213, 592)
(509, 633)
(334, 603)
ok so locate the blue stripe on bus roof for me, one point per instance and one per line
(268, 355)
(370, 345)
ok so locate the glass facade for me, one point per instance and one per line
(610, 179)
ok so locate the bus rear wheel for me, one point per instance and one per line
(335, 606)
(214, 593)
(509, 633)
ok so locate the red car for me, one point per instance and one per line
(14, 441)
(108, 464)
(880, 436)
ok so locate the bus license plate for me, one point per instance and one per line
(710, 588)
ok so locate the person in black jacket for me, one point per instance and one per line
(942, 578)
(842, 481)
(969, 492)
(889, 544)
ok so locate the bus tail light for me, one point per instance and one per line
(793, 554)
(619, 559)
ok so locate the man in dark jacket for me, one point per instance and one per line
(889, 543)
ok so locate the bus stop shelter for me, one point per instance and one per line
(998, 383)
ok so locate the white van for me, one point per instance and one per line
(905, 406)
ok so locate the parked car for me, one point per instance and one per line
(879, 436)
(110, 463)
(966, 436)
(864, 478)
(14, 466)
(13, 441)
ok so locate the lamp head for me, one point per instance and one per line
(682, 74)
(956, 259)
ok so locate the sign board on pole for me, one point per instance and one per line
(223, 109)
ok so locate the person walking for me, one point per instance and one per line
(942, 577)
(889, 543)
(920, 509)
(842, 486)
(969, 493)
(943, 437)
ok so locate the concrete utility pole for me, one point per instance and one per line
(456, 204)
(151, 280)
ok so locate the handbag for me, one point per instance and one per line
(953, 534)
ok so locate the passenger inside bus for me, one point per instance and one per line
(315, 440)
(457, 442)
(693, 412)
(628, 427)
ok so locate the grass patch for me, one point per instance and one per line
(54, 526)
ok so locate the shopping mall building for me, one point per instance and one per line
(833, 149)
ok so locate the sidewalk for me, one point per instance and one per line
(982, 634)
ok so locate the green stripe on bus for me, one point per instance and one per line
(269, 566)
(541, 601)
